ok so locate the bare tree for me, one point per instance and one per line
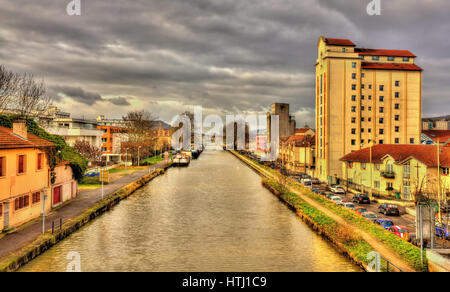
(8, 87)
(92, 153)
(140, 126)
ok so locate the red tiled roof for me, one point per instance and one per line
(8, 140)
(391, 53)
(440, 136)
(426, 154)
(300, 140)
(391, 66)
(302, 130)
(340, 42)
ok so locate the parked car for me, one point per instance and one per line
(338, 190)
(329, 195)
(316, 191)
(306, 182)
(389, 209)
(350, 206)
(361, 210)
(315, 181)
(442, 230)
(445, 207)
(336, 199)
(401, 231)
(385, 223)
(92, 174)
(369, 215)
(361, 199)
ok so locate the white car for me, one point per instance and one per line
(338, 190)
(350, 206)
(336, 199)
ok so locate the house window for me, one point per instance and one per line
(397, 117)
(405, 59)
(363, 165)
(381, 121)
(353, 75)
(353, 120)
(377, 184)
(353, 97)
(446, 171)
(381, 142)
(381, 98)
(397, 94)
(350, 165)
(343, 50)
(353, 109)
(35, 197)
(2, 166)
(353, 142)
(397, 141)
(381, 131)
(375, 58)
(411, 141)
(370, 97)
(381, 87)
(40, 161)
(354, 65)
(397, 129)
(363, 75)
(391, 58)
(397, 106)
(370, 86)
(377, 166)
(397, 83)
(21, 202)
(21, 164)
(353, 131)
(381, 109)
(353, 86)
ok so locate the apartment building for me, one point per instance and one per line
(363, 97)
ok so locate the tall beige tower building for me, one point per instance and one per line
(363, 96)
(287, 122)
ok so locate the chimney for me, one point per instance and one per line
(20, 129)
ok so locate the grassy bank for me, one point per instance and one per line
(406, 251)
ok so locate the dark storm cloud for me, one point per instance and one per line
(119, 101)
(226, 55)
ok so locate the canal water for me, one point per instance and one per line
(211, 216)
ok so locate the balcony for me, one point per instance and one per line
(389, 175)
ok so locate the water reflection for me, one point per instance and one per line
(212, 216)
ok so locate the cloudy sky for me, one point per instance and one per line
(229, 56)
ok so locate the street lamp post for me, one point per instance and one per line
(139, 156)
(439, 192)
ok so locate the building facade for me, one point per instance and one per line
(286, 121)
(363, 96)
(297, 154)
(402, 169)
(24, 175)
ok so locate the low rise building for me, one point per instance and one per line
(73, 129)
(404, 170)
(436, 136)
(297, 152)
(65, 186)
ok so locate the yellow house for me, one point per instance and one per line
(297, 153)
(24, 174)
(403, 169)
(363, 96)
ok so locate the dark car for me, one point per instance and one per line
(316, 191)
(361, 199)
(389, 209)
(442, 230)
(315, 181)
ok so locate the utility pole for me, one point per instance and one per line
(103, 192)
(139, 156)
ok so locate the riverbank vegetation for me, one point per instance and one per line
(285, 187)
